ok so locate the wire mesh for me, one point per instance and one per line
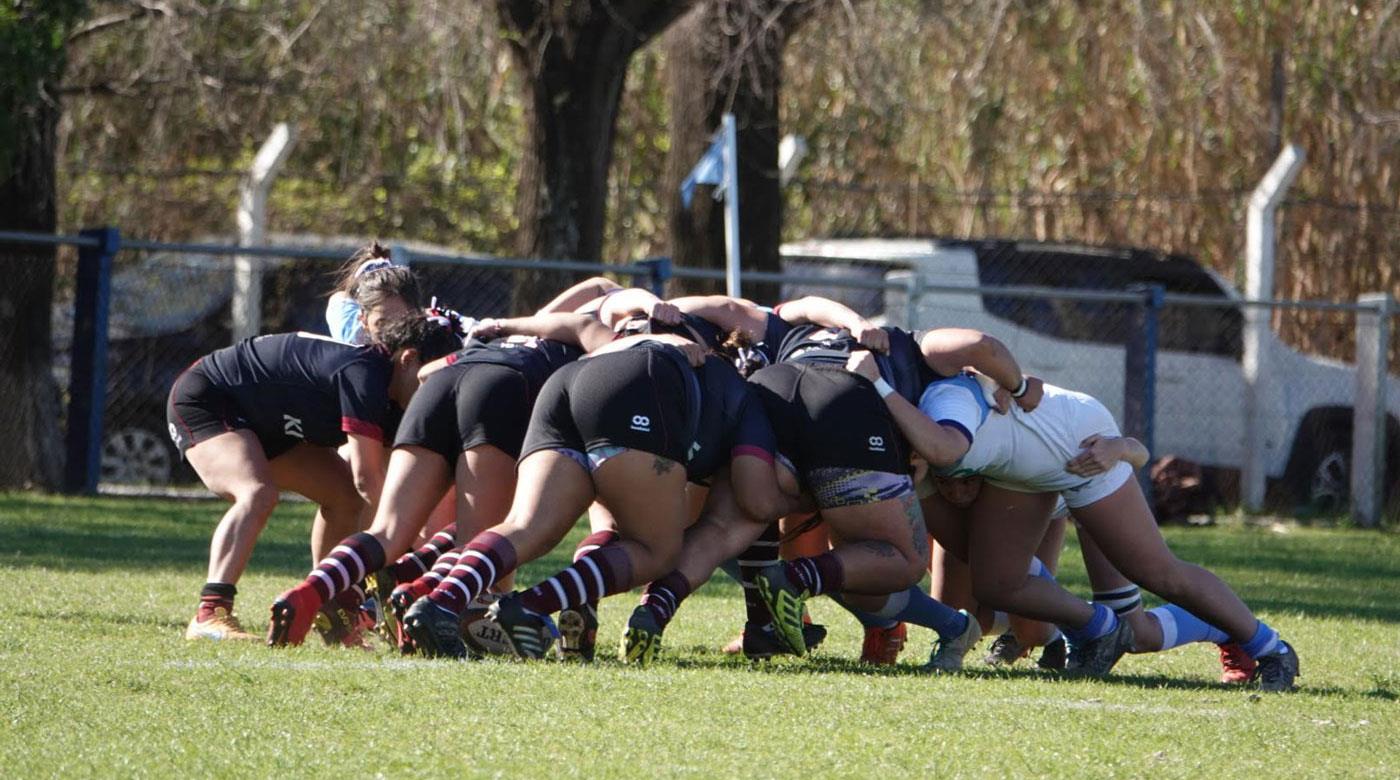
(1072, 315)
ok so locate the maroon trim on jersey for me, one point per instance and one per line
(361, 428)
(753, 452)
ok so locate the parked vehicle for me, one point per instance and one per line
(1200, 391)
(169, 309)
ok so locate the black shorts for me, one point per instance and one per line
(465, 406)
(827, 417)
(198, 409)
(637, 399)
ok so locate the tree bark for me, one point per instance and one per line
(30, 70)
(727, 56)
(574, 58)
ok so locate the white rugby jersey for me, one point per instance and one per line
(1022, 451)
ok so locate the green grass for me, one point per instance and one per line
(96, 680)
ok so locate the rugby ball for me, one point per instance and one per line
(482, 634)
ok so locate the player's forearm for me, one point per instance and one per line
(577, 329)
(950, 350)
(820, 311)
(1132, 452)
(940, 445)
(626, 303)
(579, 294)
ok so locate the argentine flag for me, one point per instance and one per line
(709, 170)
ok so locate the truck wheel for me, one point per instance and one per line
(1327, 473)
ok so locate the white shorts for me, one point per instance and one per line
(1097, 487)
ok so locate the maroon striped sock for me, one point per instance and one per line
(600, 573)
(593, 541)
(664, 596)
(819, 574)
(487, 558)
(413, 565)
(445, 563)
(349, 562)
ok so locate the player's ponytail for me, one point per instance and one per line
(739, 349)
(431, 336)
(367, 258)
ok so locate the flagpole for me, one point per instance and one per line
(731, 206)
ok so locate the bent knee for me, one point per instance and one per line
(657, 559)
(258, 500)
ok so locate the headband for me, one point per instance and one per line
(371, 265)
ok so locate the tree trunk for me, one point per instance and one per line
(30, 70)
(574, 59)
(726, 56)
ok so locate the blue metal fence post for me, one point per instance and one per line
(1140, 375)
(87, 384)
(659, 273)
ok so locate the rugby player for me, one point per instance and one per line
(267, 414)
(464, 427)
(1022, 458)
(629, 425)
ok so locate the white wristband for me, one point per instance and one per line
(1020, 389)
(883, 388)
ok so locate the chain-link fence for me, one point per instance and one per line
(1174, 370)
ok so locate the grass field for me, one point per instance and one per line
(95, 678)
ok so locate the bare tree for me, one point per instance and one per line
(727, 56)
(574, 59)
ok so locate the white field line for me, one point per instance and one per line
(406, 665)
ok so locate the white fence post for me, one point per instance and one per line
(731, 206)
(252, 230)
(1368, 431)
(1260, 243)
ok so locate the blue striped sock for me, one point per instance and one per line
(1264, 641)
(867, 619)
(1100, 624)
(922, 609)
(1180, 627)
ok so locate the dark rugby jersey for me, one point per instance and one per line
(535, 358)
(307, 387)
(710, 334)
(691, 327)
(904, 367)
(725, 419)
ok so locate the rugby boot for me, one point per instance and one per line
(1277, 671)
(1096, 657)
(1005, 651)
(381, 585)
(948, 655)
(1235, 664)
(293, 614)
(399, 603)
(436, 632)
(785, 600)
(531, 635)
(1054, 655)
(641, 640)
(759, 643)
(578, 633)
(341, 626)
(883, 645)
(220, 625)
